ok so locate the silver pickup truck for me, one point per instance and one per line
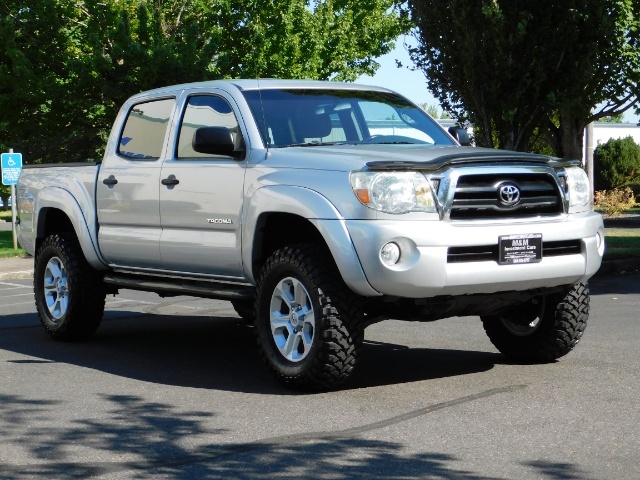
(317, 209)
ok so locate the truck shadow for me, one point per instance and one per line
(217, 353)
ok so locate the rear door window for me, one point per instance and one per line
(145, 130)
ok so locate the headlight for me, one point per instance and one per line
(393, 192)
(579, 189)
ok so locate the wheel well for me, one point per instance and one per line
(52, 221)
(276, 230)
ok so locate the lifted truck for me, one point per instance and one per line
(317, 209)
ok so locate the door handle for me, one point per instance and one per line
(111, 180)
(170, 180)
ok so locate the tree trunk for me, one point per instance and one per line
(571, 137)
(567, 138)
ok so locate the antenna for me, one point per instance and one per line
(264, 117)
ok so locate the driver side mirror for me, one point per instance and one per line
(461, 135)
(216, 141)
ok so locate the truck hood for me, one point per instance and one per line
(380, 156)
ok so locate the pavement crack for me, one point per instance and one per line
(399, 418)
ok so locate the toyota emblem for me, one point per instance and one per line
(508, 194)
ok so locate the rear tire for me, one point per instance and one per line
(309, 325)
(542, 329)
(69, 294)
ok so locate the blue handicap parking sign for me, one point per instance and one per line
(11, 168)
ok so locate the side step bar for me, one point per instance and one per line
(171, 287)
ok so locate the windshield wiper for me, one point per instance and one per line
(312, 144)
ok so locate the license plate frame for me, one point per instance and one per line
(520, 249)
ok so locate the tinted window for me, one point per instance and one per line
(205, 111)
(145, 129)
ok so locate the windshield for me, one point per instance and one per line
(307, 117)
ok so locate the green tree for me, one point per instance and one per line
(619, 118)
(618, 162)
(434, 111)
(33, 49)
(66, 66)
(520, 70)
(5, 192)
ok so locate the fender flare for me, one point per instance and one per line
(60, 199)
(320, 212)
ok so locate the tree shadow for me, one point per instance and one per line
(220, 353)
(151, 439)
(559, 471)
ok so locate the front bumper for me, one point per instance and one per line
(424, 271)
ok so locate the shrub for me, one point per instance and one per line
(614, 202)
(617, 163)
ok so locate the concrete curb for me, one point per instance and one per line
(16, 275)
(15, 268)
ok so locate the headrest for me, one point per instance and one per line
(307, 123)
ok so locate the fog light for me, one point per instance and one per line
(390, 254)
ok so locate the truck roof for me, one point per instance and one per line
(265, 83)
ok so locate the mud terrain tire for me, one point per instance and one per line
(69, 293)
(542, 329)
(309, 325)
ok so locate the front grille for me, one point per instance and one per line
(481, 253)
(488, 253)
(556, 249)
(477, 196)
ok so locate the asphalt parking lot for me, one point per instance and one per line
(173, 388)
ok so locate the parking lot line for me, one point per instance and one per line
(19, 295)
(17, 285)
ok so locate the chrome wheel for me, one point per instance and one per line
(292, 318)
(56, 292)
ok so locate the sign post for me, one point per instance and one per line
(11, 168)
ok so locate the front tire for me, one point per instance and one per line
(542, 329)
(309, 325)
(69, 294)
(245, 310)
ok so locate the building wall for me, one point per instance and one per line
(603, 132)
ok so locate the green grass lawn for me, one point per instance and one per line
(6, 239)
(622, 243)
(6, 246)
